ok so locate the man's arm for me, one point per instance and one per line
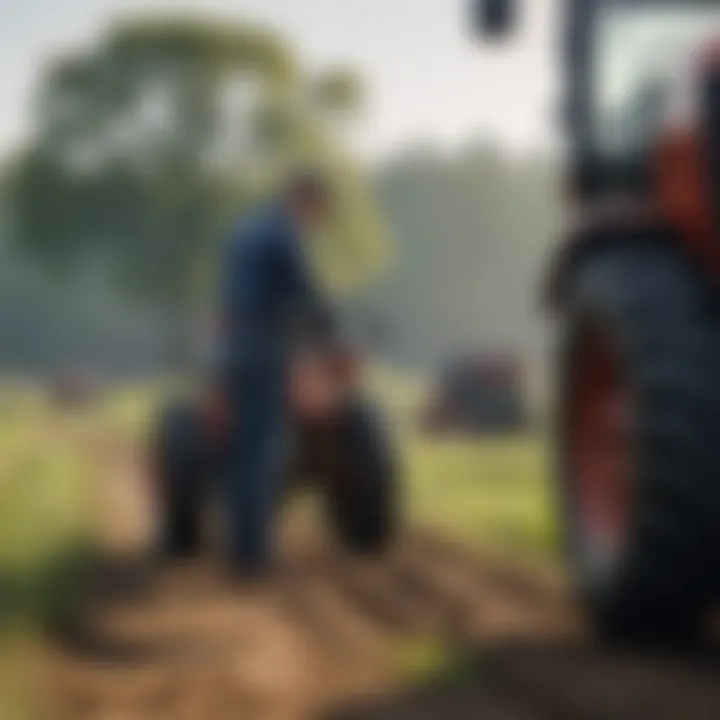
(309, 303)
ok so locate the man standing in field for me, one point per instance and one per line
(266, 285)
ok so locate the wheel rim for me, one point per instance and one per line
(600, 457)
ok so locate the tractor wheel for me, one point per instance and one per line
(362, 492)
(180, 467)
(639, 444)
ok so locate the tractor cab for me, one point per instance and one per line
(634, 74)
(627, 65)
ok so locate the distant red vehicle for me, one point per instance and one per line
(74, 387)
(478, 394)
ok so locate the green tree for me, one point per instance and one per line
(147, 144)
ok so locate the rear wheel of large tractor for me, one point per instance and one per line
(180, 467)
(639, 444)
(363, 487)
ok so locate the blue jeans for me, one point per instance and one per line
(256, 447)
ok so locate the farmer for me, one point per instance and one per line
(267, 287)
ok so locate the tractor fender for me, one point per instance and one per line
(608, 225)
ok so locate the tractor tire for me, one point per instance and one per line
(639, 443)
(181, 467)
(362, 490)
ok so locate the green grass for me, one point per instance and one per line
(45, 483)
(44, 510)
(490, 491)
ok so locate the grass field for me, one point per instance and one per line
(44, 532)
(489, 491)
(492, 491)
(45, 483)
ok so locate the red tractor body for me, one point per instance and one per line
(635, 290)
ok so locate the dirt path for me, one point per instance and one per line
(322, 638)
(184, 643)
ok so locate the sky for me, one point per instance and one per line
(429, 80)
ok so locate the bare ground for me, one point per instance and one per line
(321, 639)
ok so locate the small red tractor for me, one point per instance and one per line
(635, 291)
(338, 446)
(477, 393)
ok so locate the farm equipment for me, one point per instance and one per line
(339, 447)
(635, 289)
(74, 387)
(477, 394)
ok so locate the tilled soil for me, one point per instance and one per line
(187, 642)
(321, 639)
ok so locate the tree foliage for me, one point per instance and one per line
(472, 231)
(149, 143)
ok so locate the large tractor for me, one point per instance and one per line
(635, 290)
(339, 447)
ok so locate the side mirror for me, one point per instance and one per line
(494, 18)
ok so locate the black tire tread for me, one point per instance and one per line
(659, 312)
(181, 466)
(362, 494)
